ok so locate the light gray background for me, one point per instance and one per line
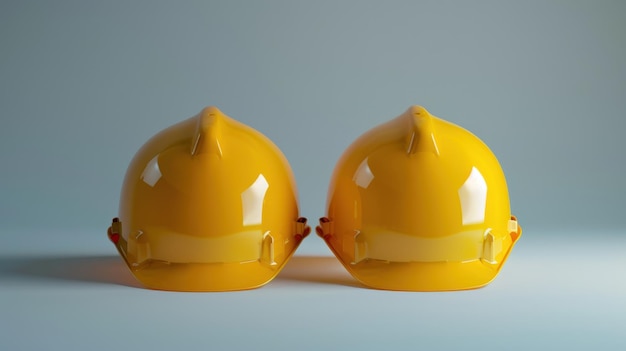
(83, 84)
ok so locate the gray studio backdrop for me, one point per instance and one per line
(83, 84)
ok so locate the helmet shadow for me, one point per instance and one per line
(92, 269)
(112, 270)
(318, 270)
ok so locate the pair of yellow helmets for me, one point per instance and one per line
(417, 203)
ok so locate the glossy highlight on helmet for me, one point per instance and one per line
(208, 204)
(419, 204)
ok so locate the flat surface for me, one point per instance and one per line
(557, 291)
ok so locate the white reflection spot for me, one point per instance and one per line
(151, 174)
(363, 175)
(252, 201)
(473, 196)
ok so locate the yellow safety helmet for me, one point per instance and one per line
(208, 204)
(419, 204)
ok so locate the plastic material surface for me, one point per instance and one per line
(208, 204)
(419, 204)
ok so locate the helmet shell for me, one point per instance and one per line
(419, 203)
(208, 204)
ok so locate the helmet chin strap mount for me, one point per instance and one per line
(302, 230)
